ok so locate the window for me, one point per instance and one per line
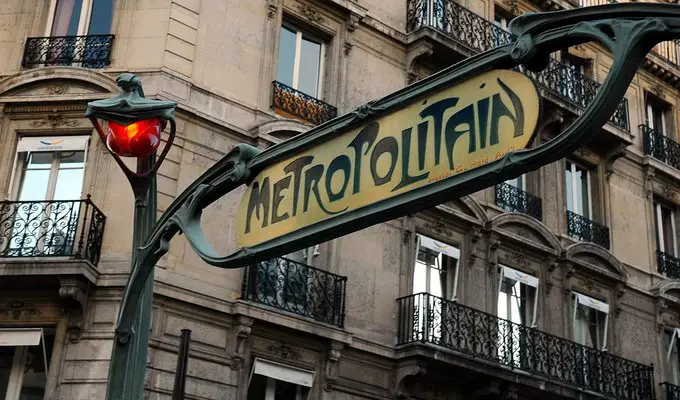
(572, 85)
(591, 318)
(301, 61)
(516, 310)
(24, 359)
(520, 182)
(274, 381)
(656, 114)
(665, 229)
(672, 355)
(435, 261)
(49, 180)
(80, 17)
(577, 185)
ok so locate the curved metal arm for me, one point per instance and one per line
(629, 31)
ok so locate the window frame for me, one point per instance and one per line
(514, 273)
(660, 225)
(573, 166)
(271, 380)
(595, 305)
(445, 266)
(300, 34)
(674, 344)
(653, 104)
(21, 352)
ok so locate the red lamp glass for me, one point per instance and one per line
(139, 139)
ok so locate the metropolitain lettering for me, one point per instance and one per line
(397, 160)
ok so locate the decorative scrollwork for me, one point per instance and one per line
(479, 34)
(297, 288)
(517, 200)
(661, 147)
(587, 230)
(668, 264)
(91, 51)
(427, 318)
(54, 120)
(301, 105)
(672, 391)
(51, 228)
(18, 309)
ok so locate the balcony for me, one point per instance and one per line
(659, 146)
(428, 319)
(477, 34)
(68, 228)
(587, 230)
(668, 264)
(92, 51)
(513, 199)
(295, 104)
(671, 392)
(296, 288)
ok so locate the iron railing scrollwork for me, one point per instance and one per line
(661, 147)
(478, 34)
(301, 105)
(671, 391)
(517, 200)
(90, 51)
(668, 264)
(587, 230)
(297, 288)
(426, 318)
(51, 228)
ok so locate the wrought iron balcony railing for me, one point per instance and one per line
(671, 391)
(587, 230)
(297, 288)
(661, 147)
(517, 200)
(301, 105)
(478, 34)
(429, 319)
(668, 264)
(91, 51)
(53, 228)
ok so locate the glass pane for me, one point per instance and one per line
(42, 160)
(286, 62)
(582, 189)
(100, 19)
(666, 221)
(34, 185)
(578, 196)
(69, 184)
(6, 357)
(503, 304)
(67, 17)
(308, 76)
(420, 278)
(71, 159)
(436, 280)
(568, 187)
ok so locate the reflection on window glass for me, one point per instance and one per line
(576, 184)
(67, 17)
(100, 19)
(429, 276)
(589, 329)
(6, 359)
(286, 63)
(310, 57)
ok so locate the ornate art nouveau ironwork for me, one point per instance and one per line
(668, 265)
(661, 147)
(628, 31)
(301, 105)
(517, 200)
(429, 319)
(298, 288)
(51, 228)
(672, 392)
(91, 51)
(587, 230)
(479, 34)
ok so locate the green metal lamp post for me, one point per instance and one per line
(132, 128)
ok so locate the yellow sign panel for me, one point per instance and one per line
(456, 130)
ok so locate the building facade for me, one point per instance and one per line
(560, 284)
